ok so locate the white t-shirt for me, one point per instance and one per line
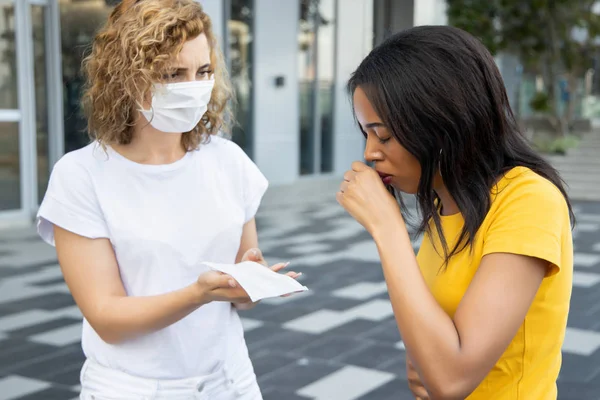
(162, 221)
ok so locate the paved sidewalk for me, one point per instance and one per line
(337, 342)
(580, 168)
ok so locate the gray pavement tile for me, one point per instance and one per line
(372, 356)
(316, 228)
(354, 329)
(298, 375)
(348, 383)
(308, 305)
(578, 368)
(43, 367)
(12, 387)
(9, 272)
(397, 366)
(51, 301)
(277, 339)
(396, 389)
(66, 375)
(266, 362)
(52, 393)
(385, 332)
(330, 347)
(578, 391)
(49, 282)
(578, 319)
(280, 394)
(286, 361)
(43, 327)
(15, 352)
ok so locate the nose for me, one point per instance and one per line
(372, 151)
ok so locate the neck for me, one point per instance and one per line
(449, 206)
(151, 146)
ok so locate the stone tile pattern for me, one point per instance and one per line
(337, 342)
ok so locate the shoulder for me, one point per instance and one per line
(222, 146)
(70, 200)
(226, 153)
(529, 216)
(82, 161)
(523, 187)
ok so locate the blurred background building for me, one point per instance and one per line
(289, 61)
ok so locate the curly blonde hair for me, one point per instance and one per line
(134, 51)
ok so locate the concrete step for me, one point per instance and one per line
(588, 152)
(583, 195)
(585, 174)
(573, 160)
(580, 168)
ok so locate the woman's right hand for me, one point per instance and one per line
(414, 382)
(217, 286)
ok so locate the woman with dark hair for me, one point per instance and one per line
(482, 309)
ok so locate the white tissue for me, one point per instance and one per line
(259, 281)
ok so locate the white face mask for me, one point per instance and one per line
(178, 107)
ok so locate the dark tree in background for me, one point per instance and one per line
(556, 40)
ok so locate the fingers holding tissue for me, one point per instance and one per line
(256, 255)
(256, 280)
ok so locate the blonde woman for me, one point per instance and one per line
(134, 214)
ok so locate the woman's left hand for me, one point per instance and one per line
(366, 199)
(256, 256)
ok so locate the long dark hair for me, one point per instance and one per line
(440, 93)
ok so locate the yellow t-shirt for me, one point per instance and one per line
(528, 216)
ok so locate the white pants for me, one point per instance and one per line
(235, 381)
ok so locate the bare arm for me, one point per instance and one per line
(454, 355)
(92, 275)
(248, 241)
(249, 251)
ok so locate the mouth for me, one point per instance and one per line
(386, 178)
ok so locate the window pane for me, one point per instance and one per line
(240, 27)
(326, 62)
(316, 67)
(10, 171)
(38, 15)
(8, 59)
(79, 22)
(306, 80)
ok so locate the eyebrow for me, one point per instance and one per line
(372, 125)
(185, 69)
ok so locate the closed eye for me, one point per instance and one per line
(381, 140)
(205, 74)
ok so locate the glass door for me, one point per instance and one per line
(45, 94)
(30, 138)
(316, 67)
(11, 114)
(239, 51)
(42, 163)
